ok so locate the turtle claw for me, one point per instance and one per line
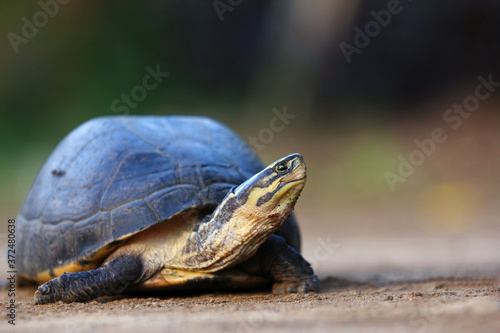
(42, 299)
(306, 285)
(47, 293)
(43, 289)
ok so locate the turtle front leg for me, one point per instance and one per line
(289, 270)
(108, 280)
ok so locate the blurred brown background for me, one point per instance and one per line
(359, 80)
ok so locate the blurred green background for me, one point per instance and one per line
(237, 61)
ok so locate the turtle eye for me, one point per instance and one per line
(281, 167)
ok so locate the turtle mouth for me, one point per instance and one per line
(294, 177)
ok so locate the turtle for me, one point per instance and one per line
(128, 203)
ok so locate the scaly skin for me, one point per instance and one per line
(290, 272)
(108, 280)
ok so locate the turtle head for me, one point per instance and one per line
(272, 193)
(248, 215)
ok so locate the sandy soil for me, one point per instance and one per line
(424, 306)
(432, 305)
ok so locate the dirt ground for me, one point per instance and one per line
(431, 305)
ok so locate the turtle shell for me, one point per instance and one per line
(113, 177)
